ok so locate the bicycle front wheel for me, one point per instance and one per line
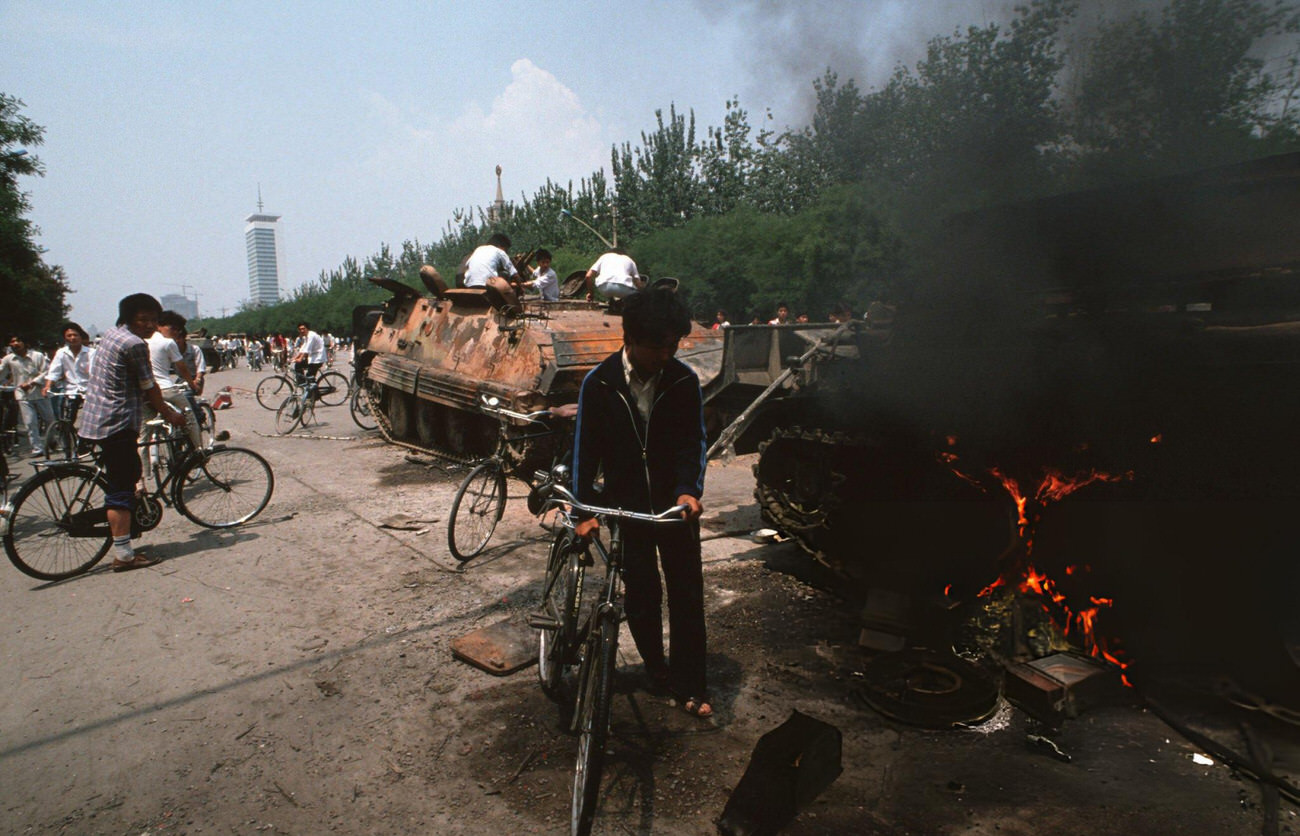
(476, 510)
(58, 527)
(564, 570)
(272, 390)
(207, 418)
(224, 487)
(332, 389)
(361, 414)
(289, 415)
(60, 441)
(593, 722)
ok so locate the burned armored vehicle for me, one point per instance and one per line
(1133, 347)
(437, 355)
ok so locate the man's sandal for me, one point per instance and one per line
(698, 707)
(140, 561)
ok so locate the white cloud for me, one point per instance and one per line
(536, 128)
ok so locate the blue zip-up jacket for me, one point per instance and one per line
(646, 466)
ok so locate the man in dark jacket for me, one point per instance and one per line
(640, 421)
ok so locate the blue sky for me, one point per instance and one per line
(367, 123)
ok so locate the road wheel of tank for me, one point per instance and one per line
(399, 408)
(457, 430)
(797, 481)
(428, 422)
(483, 435)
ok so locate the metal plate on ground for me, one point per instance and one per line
(500, 649)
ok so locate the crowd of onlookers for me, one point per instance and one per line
(876, 314)
(36, 378)
(262, 349)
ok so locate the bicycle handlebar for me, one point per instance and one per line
(561, 496)
(530, 417)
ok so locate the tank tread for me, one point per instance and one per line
(797, 484)
(386, 429)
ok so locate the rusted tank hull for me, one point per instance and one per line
(436, 358)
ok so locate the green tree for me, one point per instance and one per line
(1186, 90)
(35, 293)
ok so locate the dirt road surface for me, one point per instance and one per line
(295, 676)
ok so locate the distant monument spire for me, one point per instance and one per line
(497, 213)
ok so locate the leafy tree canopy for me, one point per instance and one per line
(842, 207)
(34, 293)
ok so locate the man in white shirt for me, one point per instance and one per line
(24, 370)
(69, 372)
(615, 275)
(488, 261)
(70, 368)
(311, 352)
(164, 357)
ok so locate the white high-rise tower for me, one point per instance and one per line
(265, 256)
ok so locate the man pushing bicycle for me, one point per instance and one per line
(641, 420)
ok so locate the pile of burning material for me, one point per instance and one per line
(1020, 636)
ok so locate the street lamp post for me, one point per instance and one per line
(565, 213)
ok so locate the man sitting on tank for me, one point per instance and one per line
(489, 261)
(544, 279)
(615, 275)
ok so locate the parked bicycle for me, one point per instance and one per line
(481, 498)
(579, 630)
(57, 527)
(299, 407)
(61, 437)
(332, 388)
(364, 396)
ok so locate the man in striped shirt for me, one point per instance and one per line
(121, 381)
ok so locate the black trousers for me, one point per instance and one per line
(677, 548)
(122, 468)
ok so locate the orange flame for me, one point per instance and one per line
(1054, 487)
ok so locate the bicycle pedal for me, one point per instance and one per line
(542, 621)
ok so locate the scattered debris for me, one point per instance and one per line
(1061, 685)
(791, 766)
(887, 619)
(500, 648)
(1046, 743)
(405, 522)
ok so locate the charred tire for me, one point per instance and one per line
(480, 501)
(57, 527)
